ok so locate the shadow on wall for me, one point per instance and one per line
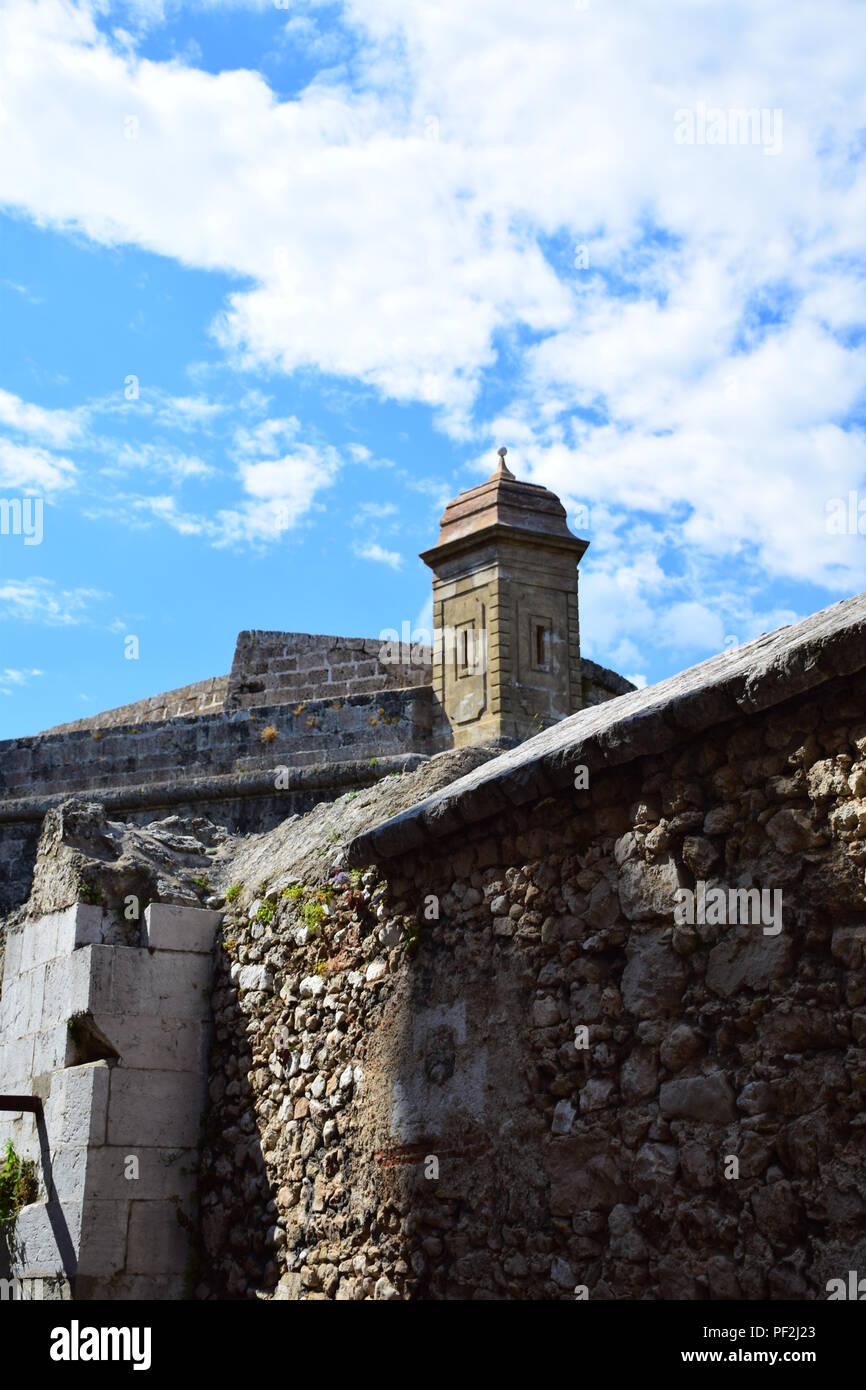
(238, 1235)
(351, 1099)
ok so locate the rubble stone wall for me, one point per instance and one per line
(499, 1067)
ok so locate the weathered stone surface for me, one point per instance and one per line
(700, 855)
(679, 1047)
(563, 1117)
(256, 977)
(707, 1098)
(646, 891)
(791, 830)
(747, 959)
(173, 928)
(654, 977)
(638, 1076)
(655, 1168)
(583, 1176)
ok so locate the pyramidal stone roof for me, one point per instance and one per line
(504, 505)
(748, 679)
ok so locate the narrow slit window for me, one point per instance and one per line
(541, 645)
(464, 645)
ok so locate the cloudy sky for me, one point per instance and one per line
(276, 280)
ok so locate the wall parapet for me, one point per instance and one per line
(202, 697)
(310, 733)
(275, 667)
(242, 769)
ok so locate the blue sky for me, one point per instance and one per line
(276, 282)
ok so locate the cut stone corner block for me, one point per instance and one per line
(168, 927)
(37, 1255)
(113, 1038)
(44, 939)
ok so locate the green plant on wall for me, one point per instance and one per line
(74, 1028)
(89, 894)
(234, 892)
(314, 915)
(17, 1187)
(265, 913)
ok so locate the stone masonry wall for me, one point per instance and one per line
(272, 667)
(399, 1106)
(221, 765)
(599, 683)
(302, 735)
(113, 1037)
(202, 697)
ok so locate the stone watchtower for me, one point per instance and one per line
(506, 658)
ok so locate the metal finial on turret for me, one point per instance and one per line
(502, 470)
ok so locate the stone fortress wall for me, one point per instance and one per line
(281, 667)
(599, 683)
(505, 1068)
(299, 720)
(550, 1086)
(202, 697)
(292, 701)
(353, 708)
(302, 717)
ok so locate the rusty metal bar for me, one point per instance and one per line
(31, 1103)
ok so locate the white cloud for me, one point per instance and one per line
(380, 556)
(407, 303)
(689, 625)
(278, 492)
(56, 428)
(40, 601)
(29, 469)
(165, 508)
(12, 680)
(188, 412)
(267, 438)
(374, 511)
(294, 480)
(281, 491)
(24, 291)
(359, 453)
(397, 234)
(152, 458)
